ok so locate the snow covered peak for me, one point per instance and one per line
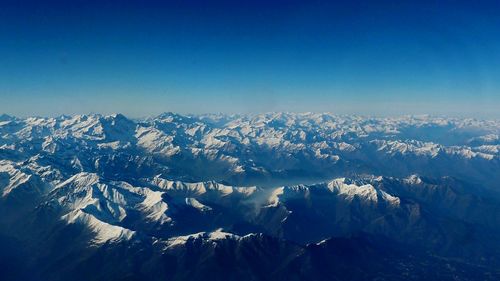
(205, 236)
(174, 175)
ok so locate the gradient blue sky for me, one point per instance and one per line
(145, 57)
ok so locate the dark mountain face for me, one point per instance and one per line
(255, 257)
(265, 197)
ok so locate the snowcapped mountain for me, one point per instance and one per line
(284, 196)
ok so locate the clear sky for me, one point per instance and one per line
(145, 57)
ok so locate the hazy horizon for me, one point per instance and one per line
(438, 58)
(250, 113)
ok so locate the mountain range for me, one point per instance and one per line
(275, 196)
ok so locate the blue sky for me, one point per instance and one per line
(146, 57)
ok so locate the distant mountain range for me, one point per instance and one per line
(277, 196)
